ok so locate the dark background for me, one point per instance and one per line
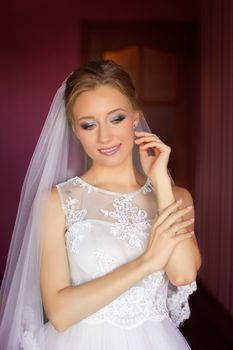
(41, 43)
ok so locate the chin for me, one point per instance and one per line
(110, 162)
(113, 161)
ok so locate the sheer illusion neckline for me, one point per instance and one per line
(89, 186)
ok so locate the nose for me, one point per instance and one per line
(104, 134)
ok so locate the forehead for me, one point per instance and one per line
(102, 99)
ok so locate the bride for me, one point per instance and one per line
(104, 244)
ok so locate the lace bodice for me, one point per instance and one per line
(106, 229)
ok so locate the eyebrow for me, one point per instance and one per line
(114, 110)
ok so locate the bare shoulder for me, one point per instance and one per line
(52, 208)
(51, 198)
(53, 193)
(184, 194)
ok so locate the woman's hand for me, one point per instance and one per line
(165, 235)
(154, 166)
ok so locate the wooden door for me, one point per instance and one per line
(162, 59)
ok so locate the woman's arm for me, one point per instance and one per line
(185, 259)
(65, 304)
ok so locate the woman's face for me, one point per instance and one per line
(104, 122)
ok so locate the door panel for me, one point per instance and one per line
(161, 58)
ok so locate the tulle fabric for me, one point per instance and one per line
(20, 289)
(150, 335)
(57, 157)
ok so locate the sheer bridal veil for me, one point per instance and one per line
(58, 156)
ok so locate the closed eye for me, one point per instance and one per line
(87, 126)
(91, 125)
(118, 119)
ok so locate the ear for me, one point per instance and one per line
(136, 119)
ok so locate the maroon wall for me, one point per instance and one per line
(214, 169)
(39, 47)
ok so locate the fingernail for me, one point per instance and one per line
(179, 201)
(190, 207)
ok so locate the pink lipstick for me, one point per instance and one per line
(110, 150)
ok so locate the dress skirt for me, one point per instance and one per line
(150, 335)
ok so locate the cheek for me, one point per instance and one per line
(127, 132)
(87, 142)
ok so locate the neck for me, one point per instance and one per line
(123, 176)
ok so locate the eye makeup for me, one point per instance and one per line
(118, 118)
(87, 126)
(90, 125)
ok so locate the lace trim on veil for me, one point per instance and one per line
(177, 302)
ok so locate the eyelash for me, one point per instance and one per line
(115, 120)
(86, 126)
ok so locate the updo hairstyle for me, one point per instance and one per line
(95, 73)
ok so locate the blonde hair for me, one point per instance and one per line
(94, 73)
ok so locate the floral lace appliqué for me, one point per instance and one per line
(29, 339)
(147, 187)
(73, 215)
(131, 223)
(83, 184)
(70, 206)
(76, 233)
(105, 263)
(177, 302)
(134, 306)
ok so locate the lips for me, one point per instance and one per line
(110, 150)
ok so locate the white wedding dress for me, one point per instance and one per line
(105, 230)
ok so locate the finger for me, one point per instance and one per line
(176, 228)
(178, 238)
(147, 139)
(145, 134)
(175, 213)
(156, 144)
(164, 213)
(144, 154)
(173, 217)
(142, 133)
